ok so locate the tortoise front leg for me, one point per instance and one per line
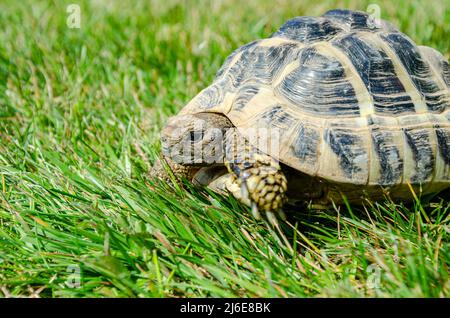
(256, 179)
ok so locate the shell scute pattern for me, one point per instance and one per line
(268, 61)
(442, 174)
(445, 71)
(276, 116)
(308, 29)
(211, 97)
(419, 70)
(378, 74)
(358, 21)
(228, 62)
(305, 146)
(356, 102)
(243, 73)
(418, 141)
(353, 20)
(443, 138)
(438, 62)
(244, 95)
(319, 86)
(389, 156)
(351, 151)
(259, 64)
(229, 79)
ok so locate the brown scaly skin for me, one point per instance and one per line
(253, 178)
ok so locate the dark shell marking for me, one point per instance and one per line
(445, 72)
(277, 117)
(305, 146)
(319, 87)
(308, 29)
(259, 64)
(418, 141)
(418, 69)
(440, 63)
(443, 139)
(255, 66)
(211, 96)
(377, 72)
(230, 58)
(354, 20)
(391, 163)
(244, 95)
(351, 152)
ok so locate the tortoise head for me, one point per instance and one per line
(195, 139)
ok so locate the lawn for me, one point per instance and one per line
(80, 113)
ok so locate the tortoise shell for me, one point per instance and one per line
(356, 101)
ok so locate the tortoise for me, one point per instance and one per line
(360, 111)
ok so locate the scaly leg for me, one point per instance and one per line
(255, 178)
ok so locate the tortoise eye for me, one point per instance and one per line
(196, 136)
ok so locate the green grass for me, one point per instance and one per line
(80, 111)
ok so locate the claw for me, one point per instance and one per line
(282, 215)
(245, 194)
(244, 190)
(255, 211)
(272, 218)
